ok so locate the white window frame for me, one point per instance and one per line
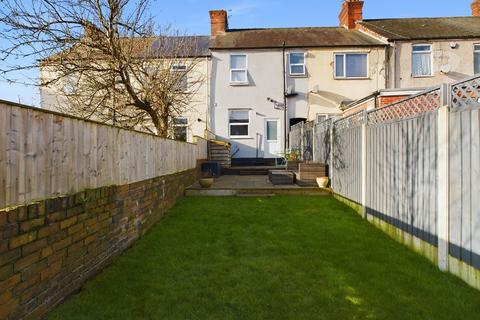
(344, 54)
(423, 52)
(303, 65)
(238, 83)
(476, 51)
(175, 125)
(326, 115)
(247, 136)
(181, 68)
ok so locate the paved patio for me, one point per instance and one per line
(228, 185)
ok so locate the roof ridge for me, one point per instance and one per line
(419, 18)
(283, 28)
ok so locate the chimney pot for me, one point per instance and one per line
(218, 22)
(352, 11)
(476, 8)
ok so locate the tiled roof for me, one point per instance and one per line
(425, 28)
(179, 46)
(293, 38)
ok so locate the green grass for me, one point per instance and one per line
(270, 258)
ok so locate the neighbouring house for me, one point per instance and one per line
(312, 71)
(194, 121)
(421, 53)
(379, 99)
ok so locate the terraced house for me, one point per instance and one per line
(266, 80)
(258, 82)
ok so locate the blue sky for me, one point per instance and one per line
(191, 16)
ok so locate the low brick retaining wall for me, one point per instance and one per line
(48, 249)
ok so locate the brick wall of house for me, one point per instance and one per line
(48, 249)
(386, 100)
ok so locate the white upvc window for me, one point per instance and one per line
(180, 128)
(476, 59)
(422, 62)
(351, 65)
(239, 123)
(322, 117)
(180, 70)
(238, 69)
(296, 64)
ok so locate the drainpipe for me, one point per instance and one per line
(394, 64)
(284, 100)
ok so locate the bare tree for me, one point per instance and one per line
(107, 57)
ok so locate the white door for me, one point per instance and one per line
(272, 139)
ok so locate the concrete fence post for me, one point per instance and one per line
(302, 132)
(331, 146)
(443, 179)
(364, 163)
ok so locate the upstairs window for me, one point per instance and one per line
(238, 121)
(180, 72)
(238, 69)
(296, 63)
(476, 59)
(180, 127)
(422, 60)
(351, 65)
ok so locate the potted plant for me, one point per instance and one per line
(206, 181)
(322, 182)
(292, 157)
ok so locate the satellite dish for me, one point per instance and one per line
(446, 68)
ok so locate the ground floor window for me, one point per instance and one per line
(238, 121)
(180, 128)
(321, 117)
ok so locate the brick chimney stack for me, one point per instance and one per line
(352, 11)
(476, 8)
(218, 22)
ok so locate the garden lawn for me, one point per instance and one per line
(269, 258)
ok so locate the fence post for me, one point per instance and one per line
(301, 141)
(443, 179)
(364, 163)
(330, 161)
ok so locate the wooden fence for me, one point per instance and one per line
(45, 154)
(412, 168)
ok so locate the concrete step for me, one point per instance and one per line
(312, 191)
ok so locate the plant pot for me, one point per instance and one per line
(206, 182)
(322, 182)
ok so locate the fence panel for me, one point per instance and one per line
(321, 142)
(402, 174)
(464, 188)
(45, 154)
(307, 145)
(295, 137)
(347, 156)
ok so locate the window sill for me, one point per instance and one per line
(240, 137)
(428, 76)
(239, 84)
(297, 75)
(359, 78)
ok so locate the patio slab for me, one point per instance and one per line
(229, 185)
